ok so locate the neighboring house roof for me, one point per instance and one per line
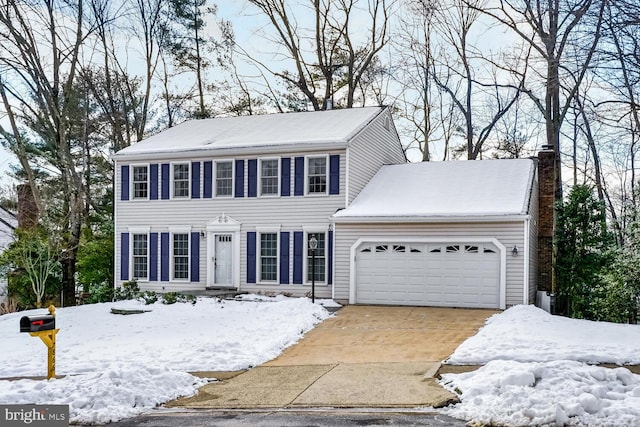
(332, 127)
(445, 191)
(8, 223)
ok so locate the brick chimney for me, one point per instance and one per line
(27, 209)
(546, 200)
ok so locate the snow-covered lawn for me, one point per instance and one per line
(117, 366)
(538, 371)
(537, 367)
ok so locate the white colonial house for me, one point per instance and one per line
(233, 203)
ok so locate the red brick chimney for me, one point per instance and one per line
(27, 209)
(546, 200)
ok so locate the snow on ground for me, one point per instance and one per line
(117, 366)
(537, 371)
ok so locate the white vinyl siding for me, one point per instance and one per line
(365, 157)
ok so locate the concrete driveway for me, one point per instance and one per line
(365, 356)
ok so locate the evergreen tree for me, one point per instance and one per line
(585, 251)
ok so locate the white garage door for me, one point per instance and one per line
(428, 274)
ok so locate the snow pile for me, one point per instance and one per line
(526, 333)
(117, 391)
(537, 372)
(547, 393)
(117, 366)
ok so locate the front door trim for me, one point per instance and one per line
(223, 225)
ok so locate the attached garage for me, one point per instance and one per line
(447, 274)
(446, 234)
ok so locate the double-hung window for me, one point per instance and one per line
(140, 182)
(320, 258)
(140, 255)
(268, 257)
(224, 179)
(181, 180)
(317, 175)
(181, 256)
(269, 177)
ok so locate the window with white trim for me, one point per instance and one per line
(224, 179)
(268, 257)
(140, 176)
(181, 180)
(180, 255)
(269, 177)
(317, 175)
(140, 255)
(320, 261)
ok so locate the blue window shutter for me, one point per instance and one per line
(239, 178)
(252, 187)
(195, 256)
(208, 180)
(251, 257)
(124, 178)
(285, 180)
(298, 185)
(153, 181)
(284, 258)
(298, 255)
(195, 180)
(330, 258)
(153, 257)
(165, 181)
(334, 174)
(164, 257)
(124, 256)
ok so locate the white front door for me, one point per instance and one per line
(223, 259)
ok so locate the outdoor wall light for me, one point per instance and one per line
(514, 251)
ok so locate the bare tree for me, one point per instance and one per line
(40, 95)
(549, 27)
(328, 58)
(460, 75)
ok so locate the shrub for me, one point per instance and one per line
(128, 290)
(149, 297)
(102, 292)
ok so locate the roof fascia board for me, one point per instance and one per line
(429, 219)
(301, 147)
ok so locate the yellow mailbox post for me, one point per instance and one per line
(44, 327)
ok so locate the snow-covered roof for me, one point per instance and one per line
(8, 223)
(445, 190)
(269, 130)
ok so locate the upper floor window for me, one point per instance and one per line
(269, 177)
(317, 176)
(224, 178)
(268, 257)
(181, 256)
(181, 180)
(140, 182)
(320, 257)
(140, 255)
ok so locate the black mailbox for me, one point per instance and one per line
(37, 323)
